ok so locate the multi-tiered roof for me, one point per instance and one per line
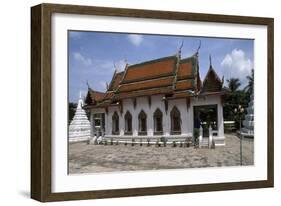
(170, 76)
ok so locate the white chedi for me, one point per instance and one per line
(248, 123)
(80, 127)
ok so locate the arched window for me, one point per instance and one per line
(142, 123)
(128, 123)
(158, 125)
(115, 123)
(175, 121)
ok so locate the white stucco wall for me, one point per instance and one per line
(142, 104)
(157, 102)
(185, 117)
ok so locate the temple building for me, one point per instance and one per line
(161, 98)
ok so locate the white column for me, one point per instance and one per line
(110, 113)
(191, 119)
(210, 136)
(121, 123)
(92, 123)
(200, 135)
(166, 123)
(150, 123)
(166, 120)
(220, 121)
(107, 132)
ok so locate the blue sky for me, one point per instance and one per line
(93, 56)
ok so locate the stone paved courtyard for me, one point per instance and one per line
(84, 158)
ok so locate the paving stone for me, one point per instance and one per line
(88, 158)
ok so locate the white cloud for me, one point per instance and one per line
(135, 39)
(79, 57)
(227, 61)
(120, 65)
(237, 65)
(104, 64)
(109, 66)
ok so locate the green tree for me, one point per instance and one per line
(233, 84)
(232, 98)
(71, 111)
(250, 87)
(235, 97)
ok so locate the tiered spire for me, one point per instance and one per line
(80, 127)
(248, 123)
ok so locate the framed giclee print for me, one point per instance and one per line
(136, 102)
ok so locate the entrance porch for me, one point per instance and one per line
(206, 120)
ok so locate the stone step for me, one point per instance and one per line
(204, 143)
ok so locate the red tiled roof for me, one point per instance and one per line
(185, 70)
(148, 84)
(149, 70)
(94, 96)
(139, 93)
(181, 94)
(168, 75)
(184, 85)
(109, 95)
(117, 77)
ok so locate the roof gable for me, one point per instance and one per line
(116, 79)
(94, 96)
(212, 82)
(186, 68)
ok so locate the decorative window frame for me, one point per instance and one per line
(155, 132)
(140, 132)
(172, 113)
(126, 132)
(115, 117)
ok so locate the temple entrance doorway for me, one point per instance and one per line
(205, 116)
(99, 124)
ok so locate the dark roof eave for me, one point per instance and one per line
(99, 106)
(212, 93)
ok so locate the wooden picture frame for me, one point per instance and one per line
(41, 118)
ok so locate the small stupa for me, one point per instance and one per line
(80, 127)
(248, 124)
